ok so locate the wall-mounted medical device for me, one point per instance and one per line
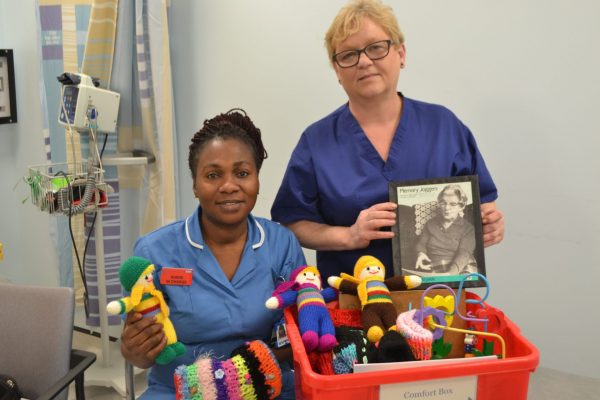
(86, 106)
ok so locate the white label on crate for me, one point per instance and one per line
(463, 388)
(359, 368)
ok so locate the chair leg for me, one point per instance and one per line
(79, 389)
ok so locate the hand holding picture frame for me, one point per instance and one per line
(438, 231)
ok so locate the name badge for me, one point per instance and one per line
(176, 276)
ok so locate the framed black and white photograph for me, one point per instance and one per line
(438, 231)
(8, 99)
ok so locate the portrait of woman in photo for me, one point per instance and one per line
(447, 243)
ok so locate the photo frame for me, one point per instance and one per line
(438, 231)
(8, 98)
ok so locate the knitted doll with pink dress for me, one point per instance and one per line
(314, 321)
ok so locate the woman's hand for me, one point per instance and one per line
(423, 262)
(493, 224)
(142, 340)
(369, 223)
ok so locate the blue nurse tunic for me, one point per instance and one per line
(214, 315)
(335, 172)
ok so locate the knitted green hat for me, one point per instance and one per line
(131, 270)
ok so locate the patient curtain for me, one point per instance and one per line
(126, 45)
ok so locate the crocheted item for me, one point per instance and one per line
(244, 378)
(231, 380)
(391, 348)
(186, 381)
(418, 338)
(219, 376)
(345, 317)
(130, 274)
(347, 335)
(373, 291)
(268, 366)
(206, 378)
(251, 373)
(314, 322)
(344, 358)
(321, 363)
(136, 277)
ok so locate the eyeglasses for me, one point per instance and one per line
(375, 51)
(451, 204)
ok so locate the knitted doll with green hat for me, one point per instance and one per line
(136, 277)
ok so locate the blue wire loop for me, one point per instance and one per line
(456, 296)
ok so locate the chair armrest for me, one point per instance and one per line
(80, 361)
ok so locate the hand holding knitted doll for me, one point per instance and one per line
(373, 290)
(136, 277)
(314, 321)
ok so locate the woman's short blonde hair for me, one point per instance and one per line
(348, 19)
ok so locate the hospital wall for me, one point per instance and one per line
(29, 253)
(521, 75)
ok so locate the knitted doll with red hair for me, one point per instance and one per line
(373, 290)
(314, 321)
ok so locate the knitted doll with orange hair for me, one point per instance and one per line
(373, 290)
(136, 277)
(314, 321)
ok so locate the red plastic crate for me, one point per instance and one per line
(497, 379)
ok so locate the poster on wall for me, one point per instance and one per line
(8, 101)
(438, 231)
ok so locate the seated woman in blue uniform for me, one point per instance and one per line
(235, 260)
(334, 194)
(447, 243)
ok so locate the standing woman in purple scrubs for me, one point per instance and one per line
(334, 195)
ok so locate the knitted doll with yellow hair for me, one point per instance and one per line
(136, 277)
(314, 321)
(373, 290)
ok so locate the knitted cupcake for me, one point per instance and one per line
(418, 338)
(251, 373)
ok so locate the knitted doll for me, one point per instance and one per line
(136, 277)
(251, 372)
(314, 321)
(373, 290)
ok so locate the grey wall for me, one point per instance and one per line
(522, 75)
(29, 255)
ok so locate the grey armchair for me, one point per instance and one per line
(36, 331)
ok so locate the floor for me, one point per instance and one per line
(550, 384)
(106, 383)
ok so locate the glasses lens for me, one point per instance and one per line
(347, 58)
(374, 51)
(378, 50)
(451, 204)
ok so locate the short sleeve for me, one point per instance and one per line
(475, 163)
(298, 197)
(293, 256)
